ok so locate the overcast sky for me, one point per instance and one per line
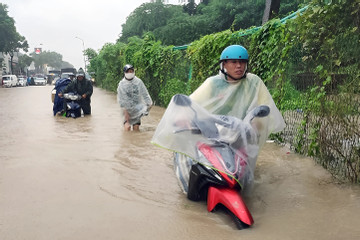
(56, 23)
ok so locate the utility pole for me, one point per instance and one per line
(83, 51)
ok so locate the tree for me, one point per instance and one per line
(10, 40)
(52, 59)
(271, 9)
(90, 53)
(177, 25)
(24, 62)
(148, 17)
(190, 8)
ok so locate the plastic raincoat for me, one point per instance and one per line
(237, 99)
(58, 101)
(133, 96)
(214, 99)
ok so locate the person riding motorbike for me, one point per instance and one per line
(83, 87)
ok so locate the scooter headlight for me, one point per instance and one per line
(203, 160)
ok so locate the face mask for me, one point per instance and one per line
(129, 76)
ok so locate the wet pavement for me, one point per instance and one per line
(85, 178)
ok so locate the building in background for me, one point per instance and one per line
(5, 62)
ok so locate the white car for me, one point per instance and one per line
(39, 81)
(22, 82)
(9, 81)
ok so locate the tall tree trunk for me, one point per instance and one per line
(11, 63)
(271, 8)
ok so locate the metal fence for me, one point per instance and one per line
(331, 135)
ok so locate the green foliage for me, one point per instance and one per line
(288, 6)
(10, 40)
(173, 86)
(183, 30)
(190, 8)
(107, 66)
(328, 40)
(204, 56)
(176, 25)
(147, 17)
(52, 59)
(234, 14)
(90, 53)
(24, 61)
(154, 63)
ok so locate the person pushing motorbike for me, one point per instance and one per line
(83, 87)
(235, 92)
(134, 98)
(217, 133)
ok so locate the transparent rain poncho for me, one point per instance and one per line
(134, 97)
(237, 99)
(220, 115)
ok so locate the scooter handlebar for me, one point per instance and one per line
(72, 97)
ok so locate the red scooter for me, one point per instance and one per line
(221, 164)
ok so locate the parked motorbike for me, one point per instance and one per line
(214, 156)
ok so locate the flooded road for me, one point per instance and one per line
(84, 178)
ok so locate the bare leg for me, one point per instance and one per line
(136, 127)
(127, 126)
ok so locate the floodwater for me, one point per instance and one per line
(85, 178)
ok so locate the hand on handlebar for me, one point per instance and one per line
(148, 108)
(126, 115)
(186, 126)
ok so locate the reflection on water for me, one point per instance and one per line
(59, 176)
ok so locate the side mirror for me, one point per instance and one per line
(182, 100)
(261, 111)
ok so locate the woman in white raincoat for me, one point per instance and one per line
(233, 92)
(134, 99)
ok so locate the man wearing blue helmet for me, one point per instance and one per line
(233, 62)
(235, 92)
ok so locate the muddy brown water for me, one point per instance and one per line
(85, 178)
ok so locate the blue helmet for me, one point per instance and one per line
(234, 52)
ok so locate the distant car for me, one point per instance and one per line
(22, 81)
(40, 81)
(9, 81)
(68, 75)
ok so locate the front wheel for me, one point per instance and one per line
(239, 224)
